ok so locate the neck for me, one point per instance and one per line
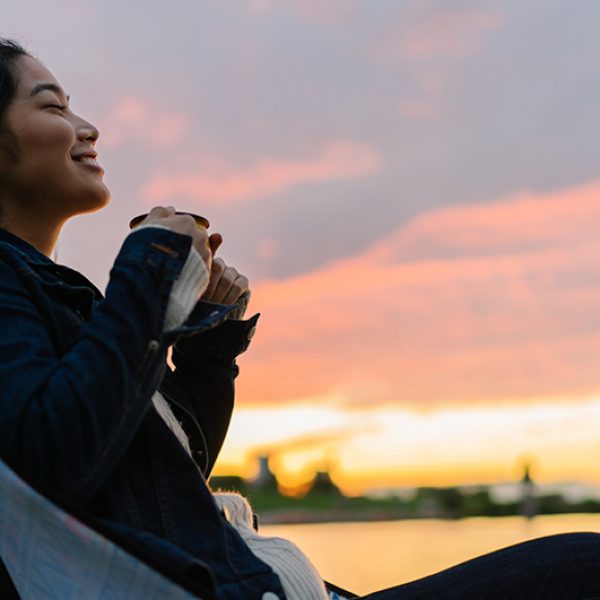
(41, 233)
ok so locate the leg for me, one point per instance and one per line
(565, 567)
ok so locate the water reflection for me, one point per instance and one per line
(363, 557)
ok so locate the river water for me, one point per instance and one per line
(363, 557)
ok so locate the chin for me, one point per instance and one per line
(93, 201)
(100, 204)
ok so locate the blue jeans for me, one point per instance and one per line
(565, 567)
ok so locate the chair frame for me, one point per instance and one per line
(8, 587)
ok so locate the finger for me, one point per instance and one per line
(201, 247)
(237, 290)
(216, 272)
(214, 241)
(187, 226)
(225, 283)
(161, 212)
(204, 253)
(222, 290)
(186, 222)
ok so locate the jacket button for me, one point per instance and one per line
(270, 596)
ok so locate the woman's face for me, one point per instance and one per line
(53, 170)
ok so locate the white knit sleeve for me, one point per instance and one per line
(189, 286)
(299, 577)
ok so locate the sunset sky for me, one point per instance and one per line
(413, 189)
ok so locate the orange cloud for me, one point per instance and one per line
(395, 445)
(137, 120)
(472, 303)
(508, 227)
(219, 181)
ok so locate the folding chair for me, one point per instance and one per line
(47, 551)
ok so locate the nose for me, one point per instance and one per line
(86, 132)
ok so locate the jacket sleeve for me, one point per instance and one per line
(66, 420)
(205, 371)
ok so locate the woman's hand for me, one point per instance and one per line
(226, 284)
(204, 244)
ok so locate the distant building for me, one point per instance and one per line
(323, 484)
(265, 479)
(529, 505)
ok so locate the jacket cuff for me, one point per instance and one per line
(164, 250)
(226, 341)
(185, 292)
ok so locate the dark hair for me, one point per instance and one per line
(9, 52)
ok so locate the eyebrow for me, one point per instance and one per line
(40, 87)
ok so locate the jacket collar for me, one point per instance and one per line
(29, 252)
(41, 263)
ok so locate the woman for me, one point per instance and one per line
(90, 412)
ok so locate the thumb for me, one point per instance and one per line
(214, 241)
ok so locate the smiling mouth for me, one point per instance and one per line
(88, 161)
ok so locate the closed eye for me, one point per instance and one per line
(57, 106)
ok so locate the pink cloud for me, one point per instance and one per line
(475, 303)
(137, 120)
(267, 249)
(452, 33)
(443, 34)
(430, 46)
(219, 181)
(419, 110)
(425, 102)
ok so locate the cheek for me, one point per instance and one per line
(9, 148)
(52, 138)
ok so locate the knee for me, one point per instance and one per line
(572, 548)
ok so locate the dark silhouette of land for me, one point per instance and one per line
(323, 501)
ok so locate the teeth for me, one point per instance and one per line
(89, 160)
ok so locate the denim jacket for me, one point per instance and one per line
(77, 374)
